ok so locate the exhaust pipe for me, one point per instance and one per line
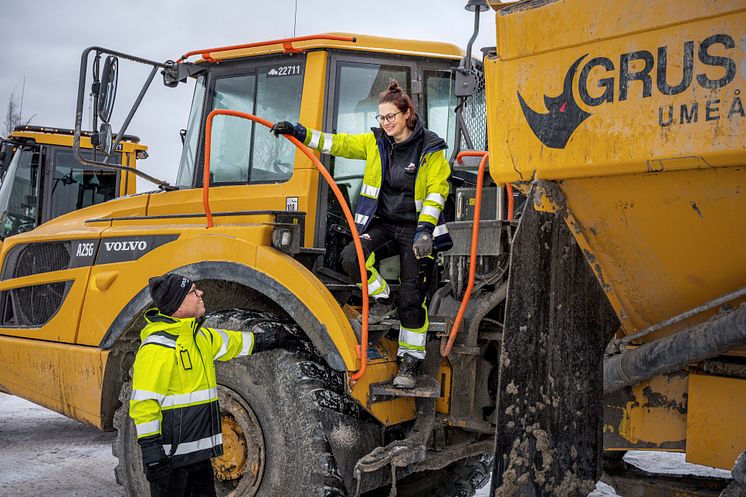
(697, 343)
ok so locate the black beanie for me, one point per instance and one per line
(169, 291)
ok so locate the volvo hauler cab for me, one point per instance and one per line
(40, 178)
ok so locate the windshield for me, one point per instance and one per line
(19, 193)
(191, 140)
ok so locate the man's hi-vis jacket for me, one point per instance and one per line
(174, 391)
(430, 187)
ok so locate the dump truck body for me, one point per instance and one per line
(629, 121)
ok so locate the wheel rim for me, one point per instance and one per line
(239, 470)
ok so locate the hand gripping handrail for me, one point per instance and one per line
(287, 46)
(362, 349)
(445, 348)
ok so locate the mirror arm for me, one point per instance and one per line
(79, 116)
(138, 101)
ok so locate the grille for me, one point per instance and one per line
(475, 115)
(32, 305)
(42, 258)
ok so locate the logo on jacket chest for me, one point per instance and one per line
(411, 168)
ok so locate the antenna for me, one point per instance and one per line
(23, 90)
(295, 18)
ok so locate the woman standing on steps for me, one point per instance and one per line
(405, 185)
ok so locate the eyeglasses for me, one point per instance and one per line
(387, 118)
(194, 291)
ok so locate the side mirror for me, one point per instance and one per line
(108, 88)
(102, 139)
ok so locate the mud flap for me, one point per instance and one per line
(549, 401)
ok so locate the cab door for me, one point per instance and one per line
(355, 82)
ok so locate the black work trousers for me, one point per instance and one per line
(195, 480)
(386, 239)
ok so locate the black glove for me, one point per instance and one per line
(272, 335)
(288, 128)
(156, 465)
(159, 472)
(423, 241)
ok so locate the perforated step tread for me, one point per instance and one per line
(426, 387)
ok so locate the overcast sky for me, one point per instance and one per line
(43, 40)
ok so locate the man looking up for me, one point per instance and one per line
(174, 402)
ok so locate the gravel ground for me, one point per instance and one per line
(43, 453)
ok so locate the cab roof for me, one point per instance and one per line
(64, 137)
(363, 43)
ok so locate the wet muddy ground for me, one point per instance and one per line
(45, 454)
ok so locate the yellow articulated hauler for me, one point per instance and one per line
(595, 310)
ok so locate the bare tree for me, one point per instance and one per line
(12, 115)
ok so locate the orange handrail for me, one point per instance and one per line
(362, 349)
(287, 44)
(445, 348)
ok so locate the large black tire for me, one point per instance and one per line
(129, 470)
(273, 394)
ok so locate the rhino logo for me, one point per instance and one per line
(555, 128)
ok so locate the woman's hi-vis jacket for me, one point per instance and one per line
(430, 188)
(174, 391)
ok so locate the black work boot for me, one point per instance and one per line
(380, 310)
(408, 370)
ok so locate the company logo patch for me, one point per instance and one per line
(556, 127)
(412, 167)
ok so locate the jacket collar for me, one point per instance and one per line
(163, 322)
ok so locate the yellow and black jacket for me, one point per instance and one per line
(174, 391)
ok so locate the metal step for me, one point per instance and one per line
(427, 387)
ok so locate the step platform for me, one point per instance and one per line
(426, 387)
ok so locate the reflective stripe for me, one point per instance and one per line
(148, 428)
(145, 395)
(328, 140)
(378, 288)
(196, 446)
(436, 197)
(419, 354)
(411, 338)
(190, 398)
(161, 340)
(360, 219)
(248, 343)
(369, 191)
(315, 138)
(439, 230)
(418, 205)
(224, 345)
(429, 210)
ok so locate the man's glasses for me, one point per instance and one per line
(387, 118)
(194, 291)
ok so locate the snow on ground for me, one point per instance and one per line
(43, 453)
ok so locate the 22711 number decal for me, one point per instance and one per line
(286, 70)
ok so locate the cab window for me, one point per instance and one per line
(440, 101)
(242, 151)
(356, 105)
(74, 186)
